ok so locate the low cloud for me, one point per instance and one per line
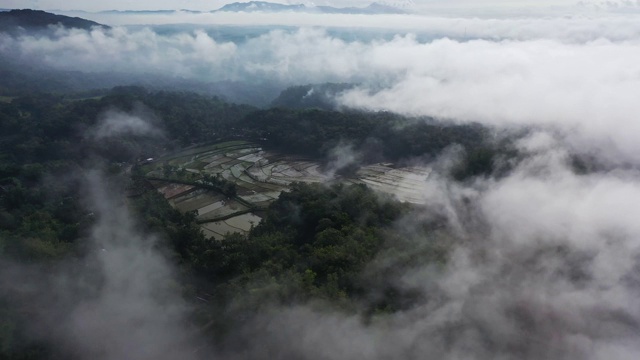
(137, 311)
(115, 123)
(118, 301)
(543, 260)
(543, 264)
(342, 158)
(118, 49)
(583, 88)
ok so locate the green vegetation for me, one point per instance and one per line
(44, 137)
(331, 232)
(315, 242)
(379, 136)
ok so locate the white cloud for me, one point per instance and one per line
(546, 268)
(586, 89)
(114, 123)
(214, 4)
(545, 264)
(144, 51)
(484, 8)
(579, 76)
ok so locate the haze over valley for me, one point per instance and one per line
(319, 180)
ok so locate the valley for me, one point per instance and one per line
(258, 177)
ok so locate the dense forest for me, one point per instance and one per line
(46, 135)
(316, 243)
(319, 251)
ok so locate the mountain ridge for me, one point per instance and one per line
(265, 6)
(16, 19)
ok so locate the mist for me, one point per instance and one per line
(118, 296)
(560, 72)
(115, 123)
(543, 264)
(120, 300)
(543, 259)
(579, 79)
(138, 312)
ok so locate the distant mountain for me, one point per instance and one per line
(149, 12)
(121, 12)
(253, 6)
(14, 20)
(263, 6)
(374, 8)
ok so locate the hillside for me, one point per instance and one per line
(38, 20)
(319, 96)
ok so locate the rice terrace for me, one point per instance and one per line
(229, 184)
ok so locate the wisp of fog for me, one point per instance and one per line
(119, 299)
(545, 266)
(567, 75)
(546, 259)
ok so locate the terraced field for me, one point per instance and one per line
(259, 176)
(407, 184)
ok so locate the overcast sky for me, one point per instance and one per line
(453, 6)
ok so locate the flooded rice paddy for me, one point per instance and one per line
(260, 177)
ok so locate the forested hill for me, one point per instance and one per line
(43, 121)
(322, 251)
(320, 96)
(11, 21)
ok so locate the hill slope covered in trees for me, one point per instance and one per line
(28, 19)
